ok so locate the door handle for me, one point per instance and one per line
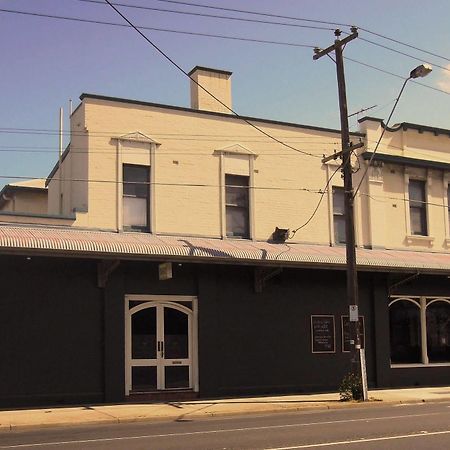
(159, 346)
(162, 349)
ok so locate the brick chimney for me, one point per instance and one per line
(218, 82)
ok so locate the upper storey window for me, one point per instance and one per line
(237, 206)
(418, 207)
(338, 215)
(136, 214)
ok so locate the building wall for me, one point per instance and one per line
(51, 332)
(386, 188)
(192, 153)
(26, 201)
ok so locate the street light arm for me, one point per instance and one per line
(381, 136)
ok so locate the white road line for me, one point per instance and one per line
(359, 441)
(228, 430)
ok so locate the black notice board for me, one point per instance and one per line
(346, 333)
(322, 334)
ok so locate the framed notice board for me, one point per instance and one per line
(323, 334)
(345, 326)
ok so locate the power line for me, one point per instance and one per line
(213, 16)
(150, 183)
(404, 43)
(257, 21)
(278, 16)
(168, 58)
(118, 134)
(399, 52)
(395, 75)
(292, 44)
(324, 191)
(382, 199)
(165, 30)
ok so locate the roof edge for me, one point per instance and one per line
(85, 95)
(210, 69)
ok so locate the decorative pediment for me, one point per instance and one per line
(137, 136)
(235, 149)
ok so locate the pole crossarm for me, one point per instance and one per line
(341, 153)
(338, 43)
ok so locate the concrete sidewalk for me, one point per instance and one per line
(128, 412)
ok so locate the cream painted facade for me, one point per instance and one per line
(407, 152)
(188, 152)
(28, 196)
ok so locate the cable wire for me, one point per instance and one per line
(381, 137)
(212, 16)
(201, 86)
(165, 30)
(324, 191)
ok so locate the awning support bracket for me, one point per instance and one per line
(263, 274)
(104, 269)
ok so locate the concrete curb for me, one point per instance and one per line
(24, 420)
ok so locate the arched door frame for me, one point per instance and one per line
(168, 301)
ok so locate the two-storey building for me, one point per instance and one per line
(177, 257)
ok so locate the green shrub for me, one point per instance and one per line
(351, 388)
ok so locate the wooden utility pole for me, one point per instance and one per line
(345, 154)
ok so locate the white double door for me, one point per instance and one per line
(160, 350)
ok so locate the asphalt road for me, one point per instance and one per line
(394, 427)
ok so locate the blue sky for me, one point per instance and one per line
(45, 62)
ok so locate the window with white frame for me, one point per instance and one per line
(136, 197)
(419, 330)
(237, 206)
(338, 215)
(418, 207)
(448, 204)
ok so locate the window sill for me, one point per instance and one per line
(419, 240)
(416, 365)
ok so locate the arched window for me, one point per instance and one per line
(404, 324)
(438, 331)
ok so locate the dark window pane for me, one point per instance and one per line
(135, 212)
(237, 222)
(438, 332)
(338, 200)
(176, 342)
(177, 377)
(135, 180)
(143, 378)
(338, 215)
(339, 229)
(234, 194)
(143, 334)
(418, 221)
(417, 190)
(237, 206)
(448, 203)
(417, 207)
(404, 325)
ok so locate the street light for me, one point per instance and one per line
(419, 72)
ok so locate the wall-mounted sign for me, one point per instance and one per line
(165, 271)
(323, 334)
(345, 326)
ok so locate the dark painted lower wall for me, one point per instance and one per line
(62, 337)
(50, 332)
(429, 286)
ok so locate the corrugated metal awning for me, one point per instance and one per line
(29, 240)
